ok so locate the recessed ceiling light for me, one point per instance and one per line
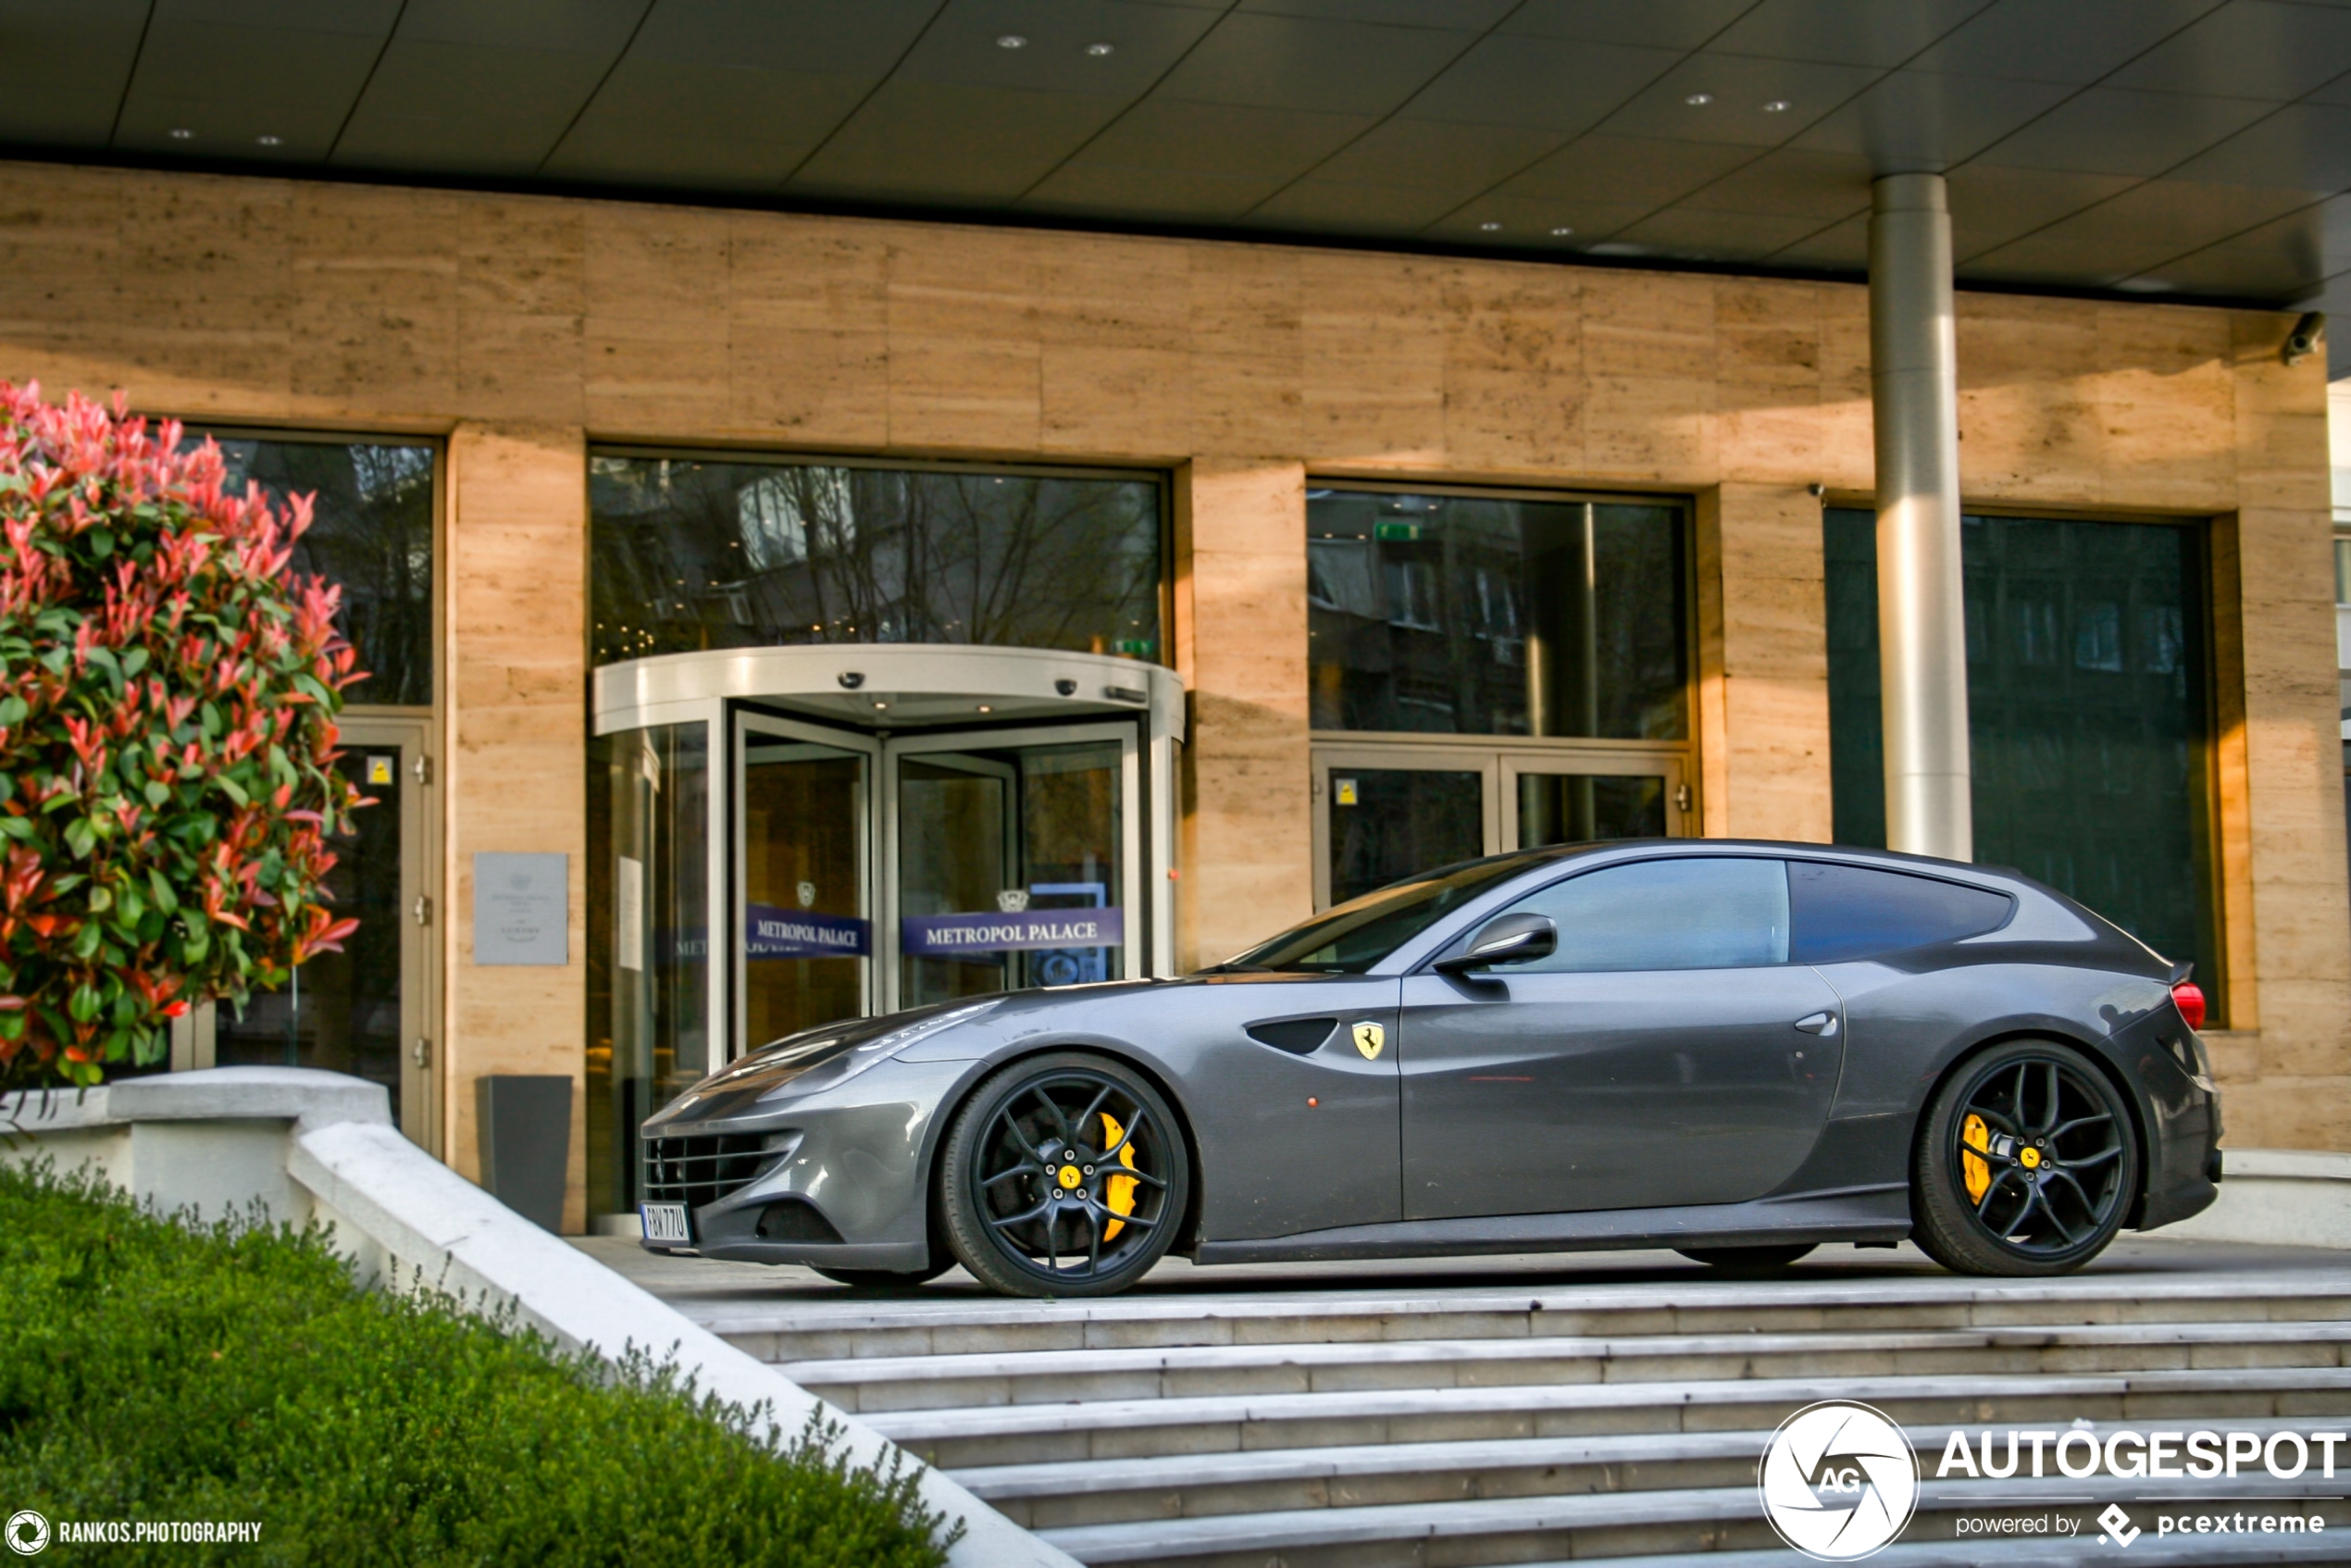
(181, 134)
(1699, 100)
(1012, 41)
(269, 141)
(1098, 50)
(1562, 232)
(1490, 226)
(1776, 106)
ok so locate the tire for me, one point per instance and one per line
(1755, 1258)
(1023, 1196)
(2026, 1162)
(886, 1279)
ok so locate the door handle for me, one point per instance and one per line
(1818, 1024)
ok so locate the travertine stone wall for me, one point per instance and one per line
(524, 326)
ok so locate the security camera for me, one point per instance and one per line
(851, 679)
(1816, 490)
(2303, 342)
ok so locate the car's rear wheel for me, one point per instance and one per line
(886, 1279)
(2026, 1163)
(1742, 1259)
(1062, 1176)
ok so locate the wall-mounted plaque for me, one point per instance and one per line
(522, 911)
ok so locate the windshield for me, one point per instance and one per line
(1352, 937)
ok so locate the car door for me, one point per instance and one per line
(1666, 1053)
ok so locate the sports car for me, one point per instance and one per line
(1741, 1050)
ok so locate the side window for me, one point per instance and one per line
(1679, 914)
(1853, 912)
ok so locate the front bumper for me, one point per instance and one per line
(839, 1179)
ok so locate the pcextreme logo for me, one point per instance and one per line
(1838, 1480)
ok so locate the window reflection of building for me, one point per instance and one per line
(693, 553)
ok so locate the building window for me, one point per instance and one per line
(1497, 615)
(2089, 713)
(692, 553)
(370, 535)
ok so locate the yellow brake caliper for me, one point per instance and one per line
(1974, 1171)
(1119, 1191)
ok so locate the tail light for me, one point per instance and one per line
(2190, 999)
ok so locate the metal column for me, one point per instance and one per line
(1921, 614)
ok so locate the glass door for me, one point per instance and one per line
(804, 883)
(1014, 859)
(364, 1010)
(1385, 812)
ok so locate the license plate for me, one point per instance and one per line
(665, 1222)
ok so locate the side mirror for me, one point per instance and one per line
(1507, 938)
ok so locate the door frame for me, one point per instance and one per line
(1498, 759)
(733, 972)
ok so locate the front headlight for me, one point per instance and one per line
(826, 1063)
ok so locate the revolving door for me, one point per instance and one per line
(781, 838)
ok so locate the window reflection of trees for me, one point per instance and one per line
(692, 554)
(371, 534)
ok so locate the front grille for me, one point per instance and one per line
(699, 1171)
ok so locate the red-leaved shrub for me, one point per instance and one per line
(168, 701)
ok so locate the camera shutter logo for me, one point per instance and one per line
(28, 1532)
(1838, 1481)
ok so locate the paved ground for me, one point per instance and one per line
(703, 1289)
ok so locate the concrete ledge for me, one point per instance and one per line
(2282, 1197)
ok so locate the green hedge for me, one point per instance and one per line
(154, 1371)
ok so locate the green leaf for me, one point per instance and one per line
(166, 899)
(234, 791)
(18, 826)
(81, 837)
(13, 709)
(101, 543)
(101, 899)
(87, 942)
(158, 794)
(84, 1004)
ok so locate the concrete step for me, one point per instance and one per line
(1519, 1530)
(916, 1325)
(972, 1437)
(1096, 1492)
(896, 1383)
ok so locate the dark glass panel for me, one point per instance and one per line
(371, 534)
(2088, 713)
(803, 826)
(1725, 914)
(1485, 615)
(341, 1010)
(1576, 808)
(690, 553)
(1844, 912)
(1391, 823)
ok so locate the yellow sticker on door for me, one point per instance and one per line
(1369, 1038)
(379, 770)
(1346, 787)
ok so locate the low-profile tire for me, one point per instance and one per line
(1025, 1192)
(2026, 1163)
(886, 1279)
(1746, 1258)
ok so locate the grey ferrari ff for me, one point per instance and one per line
(1741, 1050)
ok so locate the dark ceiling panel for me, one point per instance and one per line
(1626, 169)
(2305, 145)
(238, 74)
(1160, 195)
(484, 89)
(2107, 130)
(1913, 120)
(1682, 234)
(63, 68)
(961, 46)
(1518, 222)
(1841, 247)
(2067, 41)
(2249, 49)
(1853, 33)
(1474, 16)
(1820, 187)
(1549, 82)
(1666, 24)
(2287, 258)
(1433, 155)
(861, 38)
(2146, 225)
(1232, 139)
(668, 123)
(1298, 63)
(958, 145)
(1991, 207)
(1737, 88)
(1334, 206)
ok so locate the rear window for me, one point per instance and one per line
(1843, 912)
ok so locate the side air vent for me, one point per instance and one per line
(1297, 1036)
(796, 1220)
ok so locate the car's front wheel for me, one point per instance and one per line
(2026, 1162)
(1064, 1174)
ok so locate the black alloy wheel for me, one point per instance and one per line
(2027, 1165)
(1062, 1176)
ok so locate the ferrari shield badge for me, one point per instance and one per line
(1369, 1038)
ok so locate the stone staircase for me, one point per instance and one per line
(1617, 1422)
